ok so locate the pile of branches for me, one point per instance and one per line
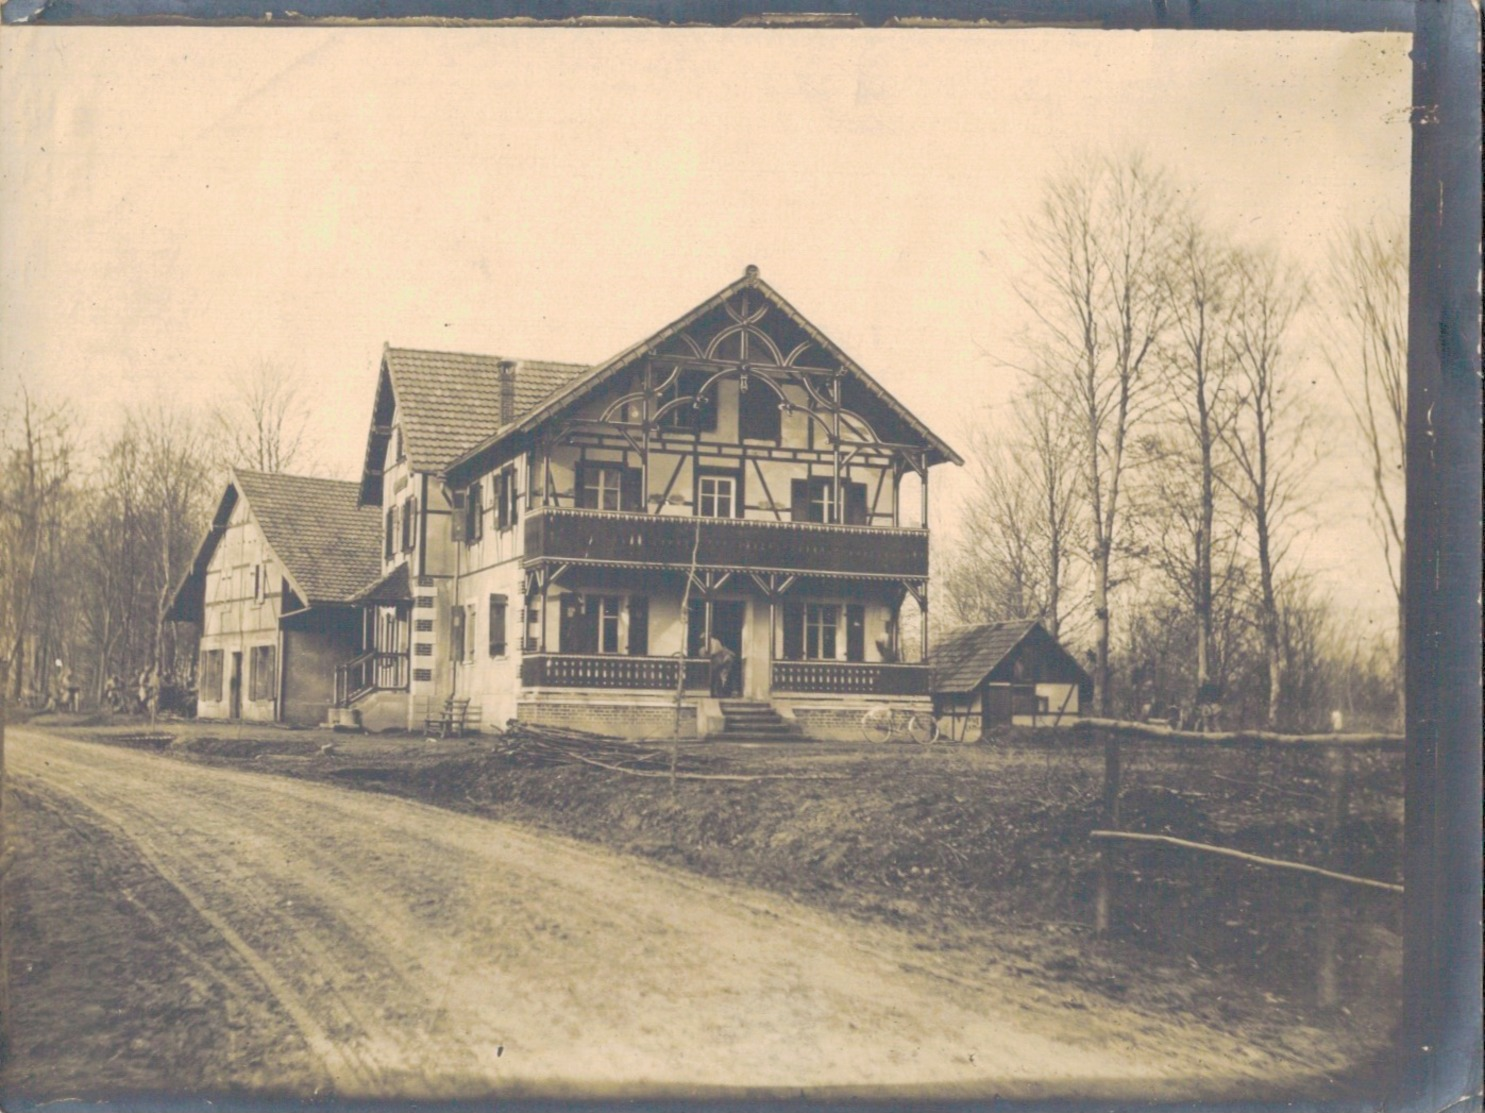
(539, 744)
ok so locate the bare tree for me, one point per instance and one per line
(1367, 349)
(1099, 245)
(175, 485)
(1199, 408)
(264, 424)
(1012, 555)
(35, 477)
(1267, 440)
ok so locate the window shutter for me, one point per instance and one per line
(793, 631)
(639, 625)
(855, 632)
(631, 492)
(391, 532)
(759, 418)
(456, 519)
(497, 625)
(855, 504)
(515, 499)
(799, 500)
(456, 633)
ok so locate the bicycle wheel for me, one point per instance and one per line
(876, 724)
(922, 729)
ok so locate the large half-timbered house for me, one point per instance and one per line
(562, 543)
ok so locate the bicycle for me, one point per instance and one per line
(884, 724)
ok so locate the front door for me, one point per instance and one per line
(727, 628)
(234, 688)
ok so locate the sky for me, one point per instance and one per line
(179, 205)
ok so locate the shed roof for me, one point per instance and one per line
(394, 587)
(968, 654)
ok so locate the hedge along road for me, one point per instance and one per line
(424, 953)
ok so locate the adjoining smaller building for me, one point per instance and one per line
(271, 589)
(1004, 673)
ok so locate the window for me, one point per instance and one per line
(474, 512)
(700, 417)
(263, 672)
(506, 498)
(716, 496)
(591, 624)
(209, 687)
(758, 415)
(497, 625)
(813, 500)
(260, 578)
(822, 502)
(391, 533)
(609, 487)
(820, 621)
(397, 451)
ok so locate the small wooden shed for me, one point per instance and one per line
(1001, 673)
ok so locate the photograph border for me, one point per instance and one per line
(1440, 1057)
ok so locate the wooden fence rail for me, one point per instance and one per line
(1154, 732)
(1337, 749)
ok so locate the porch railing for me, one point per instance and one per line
(851, 678)
(370, 672)
(595, 670)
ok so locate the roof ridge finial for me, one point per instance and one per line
(750, 271)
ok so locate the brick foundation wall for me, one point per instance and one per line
(624, 720)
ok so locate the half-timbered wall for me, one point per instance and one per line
(244, 587)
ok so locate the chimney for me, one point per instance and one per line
(507, 391)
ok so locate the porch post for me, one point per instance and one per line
(924, 521)
(541, 633)
(923, 632)
(838, 504)
(644, 454)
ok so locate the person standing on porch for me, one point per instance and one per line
(722, 659)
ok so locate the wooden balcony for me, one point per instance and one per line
(608, 537)
(866, 678)
(602, 670)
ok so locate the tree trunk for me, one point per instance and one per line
(1101, 630)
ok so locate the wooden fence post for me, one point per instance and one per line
(1337, 798)
(1106, 851)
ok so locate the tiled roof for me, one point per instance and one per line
(449, 401)
(967, 655)
(330, 545)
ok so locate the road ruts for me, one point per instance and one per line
(424, 953)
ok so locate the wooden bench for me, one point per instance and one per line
(453, 719)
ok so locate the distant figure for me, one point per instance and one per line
(69, 690)
(1337, 721)
(886, 651)
(142, 692)
(722, 660)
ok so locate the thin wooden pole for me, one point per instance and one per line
(1327, 978)
(1106, 852)
(1241, 856)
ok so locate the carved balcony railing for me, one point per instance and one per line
(563, 533)
(603, 670)
(867, 678)
(370, 672)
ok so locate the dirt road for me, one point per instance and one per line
(419, 952)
